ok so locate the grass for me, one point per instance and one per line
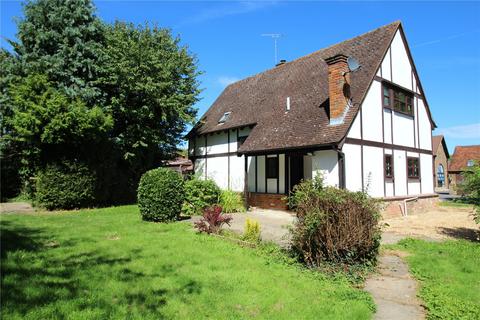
(449, 274)
(455, 204)
(108, 264)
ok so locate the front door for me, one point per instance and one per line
(296, 170)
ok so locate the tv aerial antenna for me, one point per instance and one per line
(275, 37)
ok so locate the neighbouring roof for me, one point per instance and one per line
(461, 155)
(436, 140)
(260, 100)
(180, 164)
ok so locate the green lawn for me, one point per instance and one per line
(107, 263)
(449, 273)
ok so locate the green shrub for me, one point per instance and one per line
(231, 201)
(470, 187)
(199, 194)
(252, 231)
(334, 225)
(65, 185)
(160, 195)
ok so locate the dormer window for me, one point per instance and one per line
(470, 163)
(397, 99)
(224, 118)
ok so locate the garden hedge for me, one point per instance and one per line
(65, 185)
(160, 195)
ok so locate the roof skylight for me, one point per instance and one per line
(224, 118)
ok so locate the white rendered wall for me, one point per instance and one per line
(387, 125)
(281, 173)
(307, 167)
(233, 140)
(426, 172)
(353, 168)
(355, 131)
(403, 129)
(425, 128)
(261, 174)
(217, 143)
(237, 172)
(200, 168)
(200, 146)
(217, 170)
(372, 113)
(401, 68)
(400, 172)
(325, 163)
(251, 174)
(373, 171)
(386, 74)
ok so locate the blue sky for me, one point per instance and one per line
(444, 38)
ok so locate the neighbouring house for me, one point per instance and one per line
(180, 164)
(440, 160)
(369, 128)
(462, 158)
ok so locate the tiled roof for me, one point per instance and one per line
(436, 141)
(461, 155)
(261, 99)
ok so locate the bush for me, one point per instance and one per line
(65, 185)
(199, 194)
(334, 225)
(212, 220)
(160, 195)
(231, 201)
(252, 231)
(470, 187)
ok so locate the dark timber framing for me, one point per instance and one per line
(228, 170)
(386, 145)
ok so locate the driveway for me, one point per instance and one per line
(273, 224)
(15, 207)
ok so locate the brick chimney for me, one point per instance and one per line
(338, 87)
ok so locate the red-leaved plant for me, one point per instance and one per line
(212, 220)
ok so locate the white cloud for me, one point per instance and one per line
(230, 9)
(468, 131)
(225, 80)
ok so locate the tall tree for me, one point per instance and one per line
(62, 39)
(150, 81)
(50, 126)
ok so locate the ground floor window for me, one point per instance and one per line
(440, 176)
(272, 167)
(413, 167)
(388, 166)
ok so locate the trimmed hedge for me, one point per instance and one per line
(65, 185)
(160, 195)
(200, 194)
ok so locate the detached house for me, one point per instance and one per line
(367, 128)
(463, 157)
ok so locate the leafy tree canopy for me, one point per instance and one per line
(150, 80)
(62, 39)
(116, 97)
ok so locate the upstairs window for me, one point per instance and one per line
(388, 166)
(397, 99)
(224, 118)
(413, 168)
(272, 167)
(240, 141)
(470, 163)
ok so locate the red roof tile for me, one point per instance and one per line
(462, 155)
